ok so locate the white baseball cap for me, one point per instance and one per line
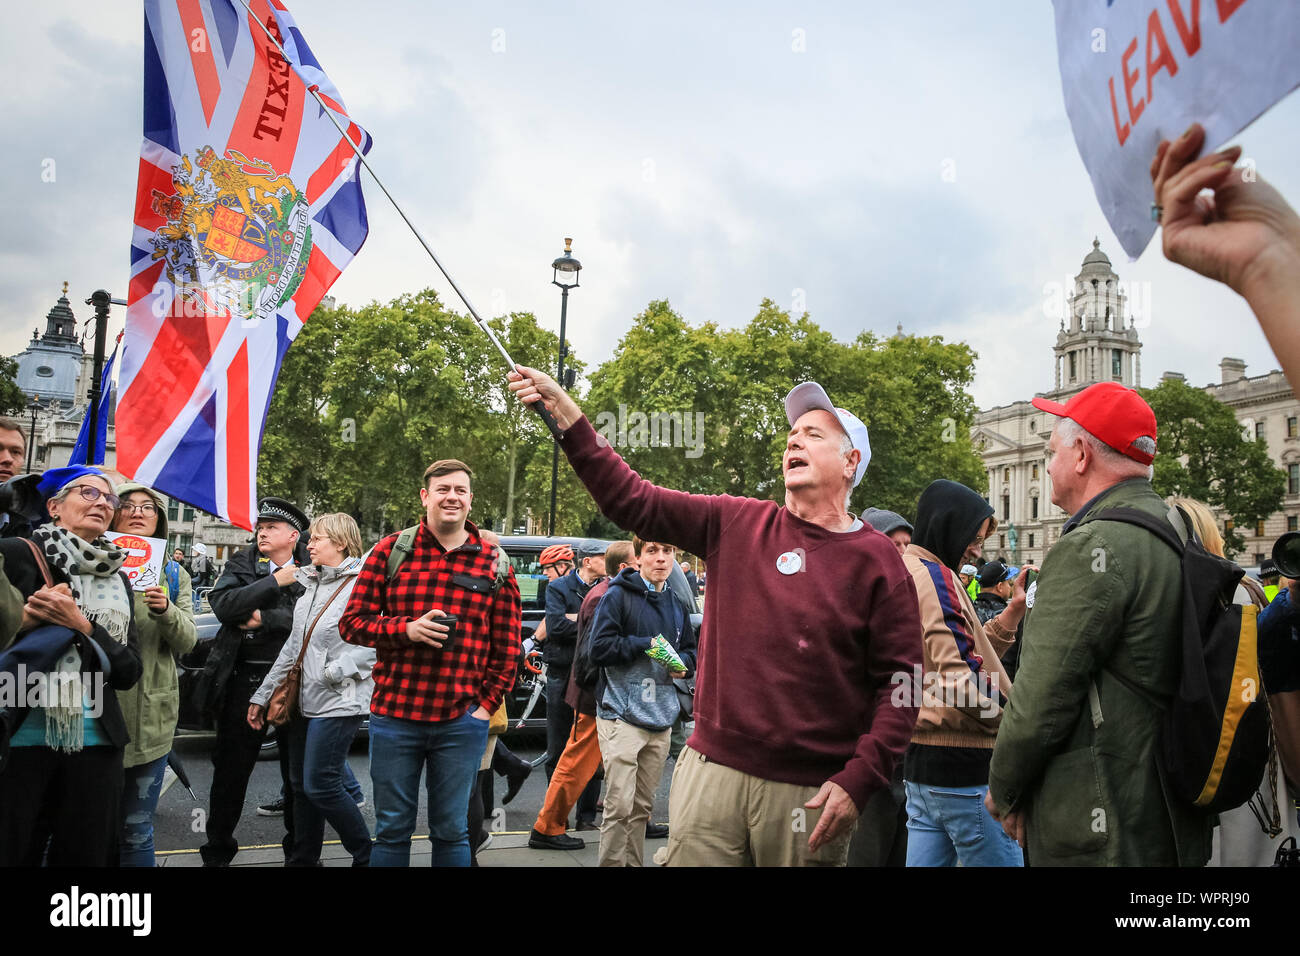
(807, 396)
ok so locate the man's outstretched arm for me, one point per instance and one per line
(623, 496)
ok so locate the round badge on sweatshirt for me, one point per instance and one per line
(790, 563)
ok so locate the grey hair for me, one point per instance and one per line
(1071, 431)
(846, 448)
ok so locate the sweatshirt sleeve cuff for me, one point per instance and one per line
(1001, 638)
(579, 438)
(857, 783)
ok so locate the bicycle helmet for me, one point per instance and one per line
(555, 554)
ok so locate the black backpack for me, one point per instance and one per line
(1214, 740)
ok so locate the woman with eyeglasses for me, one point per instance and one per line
(333, 699)
(165, 617)
(62, 785)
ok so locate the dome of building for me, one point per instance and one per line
(50, 364)
(1096, 256)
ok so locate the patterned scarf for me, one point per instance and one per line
(91, 568)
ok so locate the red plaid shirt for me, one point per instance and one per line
(412, 680)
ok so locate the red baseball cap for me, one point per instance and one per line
(1117, 415)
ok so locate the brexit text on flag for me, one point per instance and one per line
(248, 206)
(1139, 71)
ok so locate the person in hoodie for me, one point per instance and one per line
(334, 696)
(962, 692)
(636, 702)
(164, 616)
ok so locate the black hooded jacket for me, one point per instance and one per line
(948, 517)
(246, 586)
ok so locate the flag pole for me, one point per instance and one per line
(547, 417)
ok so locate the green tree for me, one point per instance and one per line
(12, 399)
(298, 445)
(1203, 454)
(367, 398)
(913, 395)
(910, 392)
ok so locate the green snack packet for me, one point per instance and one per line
(662, 652)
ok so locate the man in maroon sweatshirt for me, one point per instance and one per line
(810, 614)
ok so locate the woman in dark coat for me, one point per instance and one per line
(62, 781)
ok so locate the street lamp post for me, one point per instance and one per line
(33, 406)
(101, 300)
(569, 267)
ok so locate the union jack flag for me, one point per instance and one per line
(248, 206)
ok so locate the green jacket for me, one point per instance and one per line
(152, 706)
(1083, 769)
(11, 609)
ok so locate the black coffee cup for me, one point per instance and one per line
(449, 620)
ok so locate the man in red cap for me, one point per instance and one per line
(1074, 775)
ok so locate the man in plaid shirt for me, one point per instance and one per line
(436, 684)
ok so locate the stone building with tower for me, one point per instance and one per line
(55, 373)
(1098, 342)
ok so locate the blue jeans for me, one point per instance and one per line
(350, 782)
(399, 749)
(947, 824)
(318, 754)
(141, 787)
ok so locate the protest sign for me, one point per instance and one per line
(144, 559)
(1139, 71)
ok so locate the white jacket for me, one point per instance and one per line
(336, 679)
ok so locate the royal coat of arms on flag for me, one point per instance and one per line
(248, 206)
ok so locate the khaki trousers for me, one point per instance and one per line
(722, 817)
(634, 761)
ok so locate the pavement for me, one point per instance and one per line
(179, 820)
(505, 849)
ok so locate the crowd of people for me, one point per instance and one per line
(864, 689)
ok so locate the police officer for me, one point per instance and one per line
(253, 599)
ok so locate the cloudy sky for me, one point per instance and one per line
(877, 163)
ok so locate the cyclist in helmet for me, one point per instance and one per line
(556, 561)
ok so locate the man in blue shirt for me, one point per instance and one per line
(636, 702)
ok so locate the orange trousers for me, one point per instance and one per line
(578, 763)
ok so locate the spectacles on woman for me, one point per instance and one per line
(144, 509)
(91, 493)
